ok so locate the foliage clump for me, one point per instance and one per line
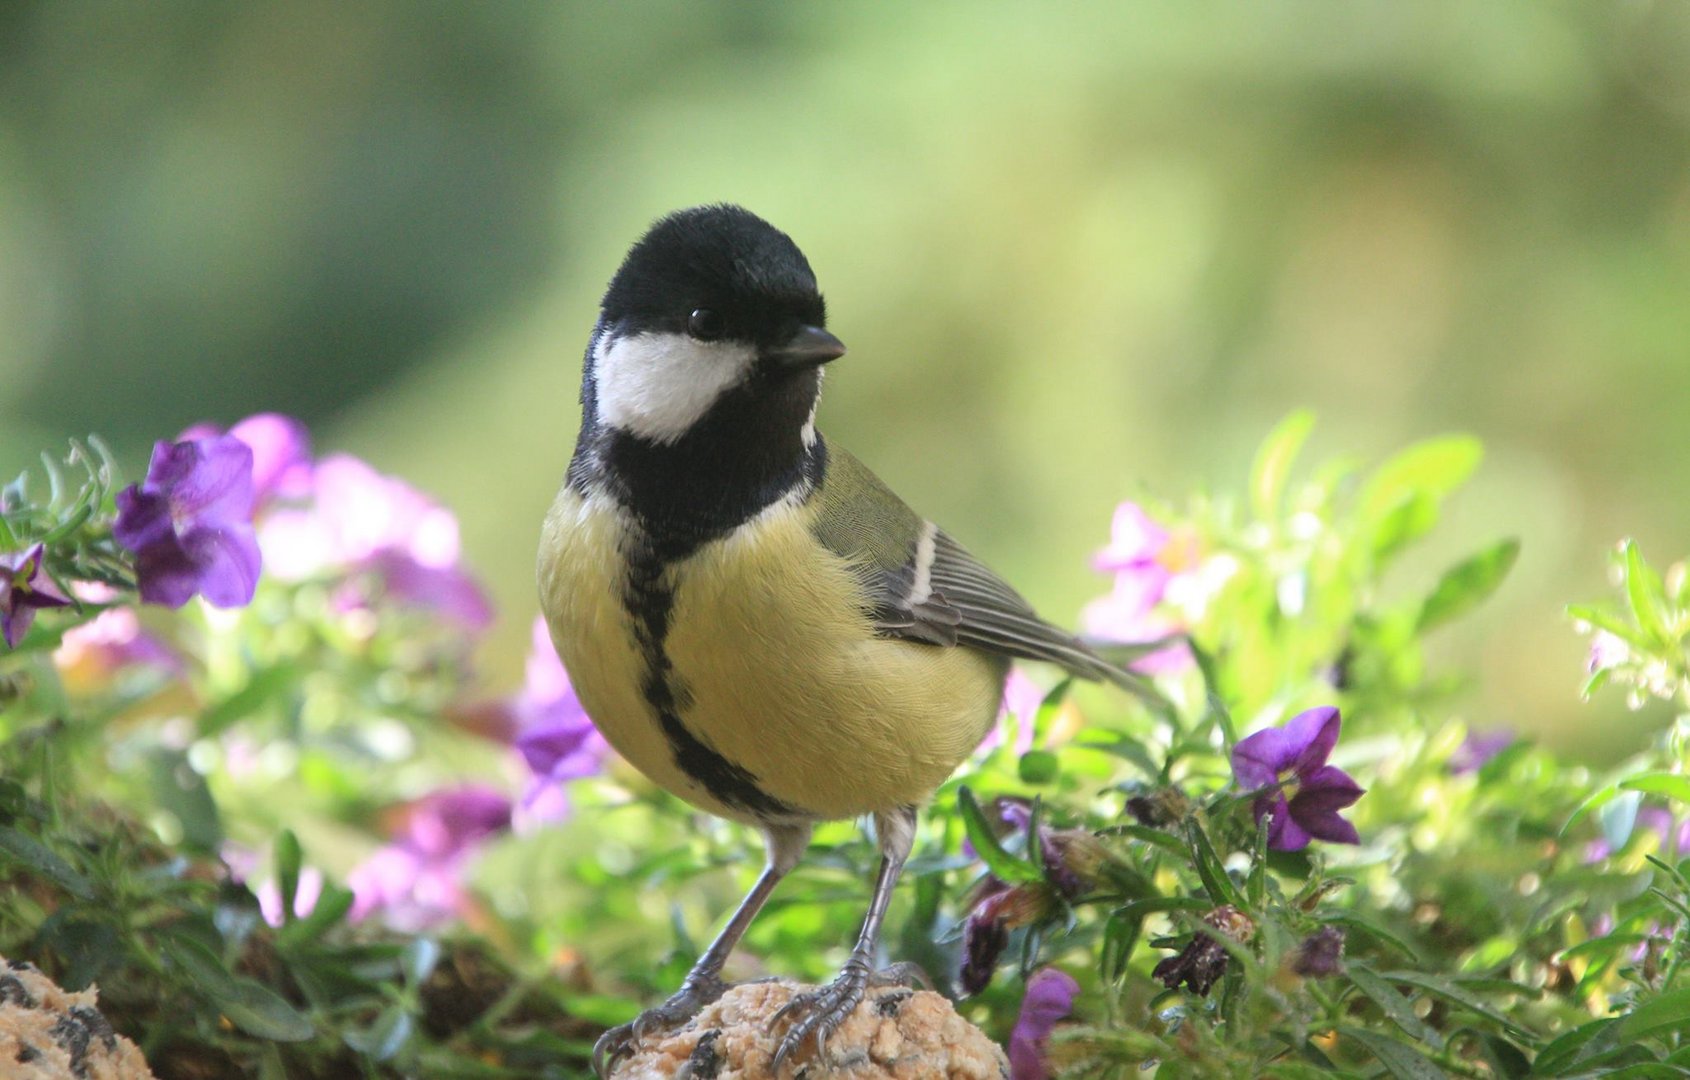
(293, 835)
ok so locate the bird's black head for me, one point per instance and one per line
(715, 273)
(704, 369)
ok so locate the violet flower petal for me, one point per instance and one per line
(143, 518)
(226, 563)
(1313, 732)
(1257, 760)
(1329, 789)
(166, 572)
(1322, 825)
(1049, 999)
(206, 480)
(1286, 833)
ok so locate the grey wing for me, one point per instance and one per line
(921, 585)
(991, 615)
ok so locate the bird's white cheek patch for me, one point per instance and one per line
(657, 386)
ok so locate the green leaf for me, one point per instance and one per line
(1216, 881)
(288, 858)
(1399, 502)
(1506, 1059)
(1120, 937)
(248, 1005)
(1274, 460)
(1618, 817)
(1465, 584)
(1673, 785)
(1434, 467)
(1128, 750)
(1594, 801)
(179, 789)
(1038, 767)
(1006, 867)
(1397, 1008)
(384, 1038)
(1665, 1015)
(330, 908)
(418, 960)
(1399, 1059)
(1584, 1041)
(35, 855)
(1408, 520)
(1350, 920)
(1602, 619)
(1645, 593)
(74, 520)
(1151, 905)
(1441, 987)
(258, 1010)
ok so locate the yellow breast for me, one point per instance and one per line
(772, 666)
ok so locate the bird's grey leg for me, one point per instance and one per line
(703, 983)
(816, 1014)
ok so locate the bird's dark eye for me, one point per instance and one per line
(706, 324)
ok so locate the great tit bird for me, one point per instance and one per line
(748, 614)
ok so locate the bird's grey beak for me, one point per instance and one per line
(810, 347)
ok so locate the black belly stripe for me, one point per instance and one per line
(649, 600)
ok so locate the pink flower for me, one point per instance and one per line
(190, 524)
(416, 882)
(1021, 700)
(359, 520)
(1135, 542)
(555, 736)
(306, 894)
(1301, 792)
(244, 863)
(1141, 554)
(1049, 999)
(112, 641)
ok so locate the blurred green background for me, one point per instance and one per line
(1079, 254)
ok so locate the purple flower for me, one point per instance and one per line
(190, 524)
(1301, 792)
(554, 734)
(24, 590)
(1074, 861)
(1477, 749)
(416, 881)
(281, 454)
(1321, 954)
(1049, 998)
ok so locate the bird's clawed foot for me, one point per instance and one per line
(619, 1042)
(815, 1014)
